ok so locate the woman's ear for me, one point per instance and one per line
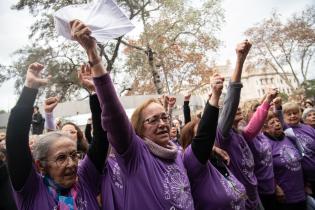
(40, 166)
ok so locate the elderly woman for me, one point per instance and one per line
(62, 183)
(152, 167)
(286, 162)
(213, 186)
(305, 137)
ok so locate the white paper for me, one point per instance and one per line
(104, 18)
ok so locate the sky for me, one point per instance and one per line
(239, 15)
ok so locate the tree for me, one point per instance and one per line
(285, 47)
(174, 48)
(63, 58)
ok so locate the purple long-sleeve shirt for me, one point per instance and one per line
(149, 182)
(262, 153)
(306, 136)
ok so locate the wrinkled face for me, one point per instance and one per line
(292, 117)
(156, 124)
(62, 162)
(70, 129)
(310, 119)
(238, 116)
(274, 127)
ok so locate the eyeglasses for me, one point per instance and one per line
(63, 159)
(156, 119)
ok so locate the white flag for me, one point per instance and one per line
(104, 18)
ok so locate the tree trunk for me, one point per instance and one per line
(156, 76)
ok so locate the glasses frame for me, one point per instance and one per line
(156, 119)
(74, 156)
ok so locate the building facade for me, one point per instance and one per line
(257, 81)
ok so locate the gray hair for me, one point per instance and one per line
(307, 111)
(44, 142)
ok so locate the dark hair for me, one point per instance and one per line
(82, 144)
(187, 132)
(36, 107)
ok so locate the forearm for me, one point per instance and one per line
(203, 141)
(236, 76)
(170, 112)
(99, 145)
(230, 106)
(18, 152)
(50, 121)
(87, 132)
(114, 118)
(186, 109)
(256, 122)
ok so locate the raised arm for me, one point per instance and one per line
(49, 106)
(232, 97)
(257, 121)
(171, 101)
(99, 145)
(203, 142)
(186, 108)
(18, 151)
(88, 130)
(114, 118)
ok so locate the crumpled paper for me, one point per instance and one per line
(104, 18)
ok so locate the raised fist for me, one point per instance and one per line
(242, 49)
(33, 79)
(50, 104)
(217, 85)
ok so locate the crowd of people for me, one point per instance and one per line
(224, 158)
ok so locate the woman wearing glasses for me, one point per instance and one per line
(153, 173)
(61, 184)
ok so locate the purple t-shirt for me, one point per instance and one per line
(35, 195)
(262, 153)
(113, 185)
(149, 182)
(306, 135)
(288, 170)
(242, 164)
(210, 189)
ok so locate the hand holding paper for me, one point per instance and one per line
(103, 17)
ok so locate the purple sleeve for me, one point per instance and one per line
(88, 175)
(114, 118)
(256, 122)
(49, 122)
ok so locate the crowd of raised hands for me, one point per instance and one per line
(225, 157)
